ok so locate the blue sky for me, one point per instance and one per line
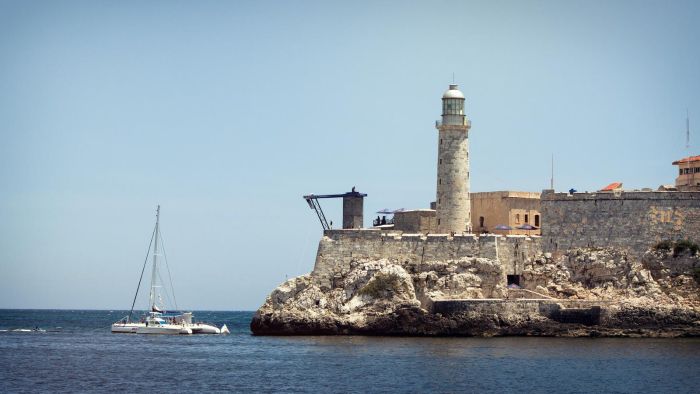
(226, 113)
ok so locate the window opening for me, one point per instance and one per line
(513, 280)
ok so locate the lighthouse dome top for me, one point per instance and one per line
(453, 93)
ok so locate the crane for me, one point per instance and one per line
(312, 200)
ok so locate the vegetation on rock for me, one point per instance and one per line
(664, 245)
(382, 284)
(678, 247)
(685, 245)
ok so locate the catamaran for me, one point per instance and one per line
(158, 320)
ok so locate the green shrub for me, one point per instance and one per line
(664, 245)
(381, 284)
(685, 245)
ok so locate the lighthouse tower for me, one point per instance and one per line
(453, 209)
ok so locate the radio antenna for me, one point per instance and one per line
(687, 129)
(551, 180)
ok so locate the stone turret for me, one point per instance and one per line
(453, 207)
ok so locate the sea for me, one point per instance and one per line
(74, 351)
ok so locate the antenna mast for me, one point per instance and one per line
(551, 180)
(687, 129)
(691, 181)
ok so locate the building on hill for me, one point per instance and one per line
(613, 187)
(496, 212)
(500, 212)
(688, 173)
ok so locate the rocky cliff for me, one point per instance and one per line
(657, 295)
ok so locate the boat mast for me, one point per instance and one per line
(145, 261)
(155, 262)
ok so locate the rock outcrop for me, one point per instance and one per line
(658, 295)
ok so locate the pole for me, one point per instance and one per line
(687, 130)
(691, 175)
(551, 180)
(155, 261)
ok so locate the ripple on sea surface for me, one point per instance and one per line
(84, 356)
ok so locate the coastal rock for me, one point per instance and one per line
(657, 296)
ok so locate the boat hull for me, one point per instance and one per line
(199, 328)
(165, 329)
(126, 328)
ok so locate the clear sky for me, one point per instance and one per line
(226, 112)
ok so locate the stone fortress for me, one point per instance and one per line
(443, 233)
(449, 270)
(633, 221)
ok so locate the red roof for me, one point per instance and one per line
(611, 187)
(686, 160)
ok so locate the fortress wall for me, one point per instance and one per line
(633, 221)
(629, 220)
(338, 248)
(513, 251)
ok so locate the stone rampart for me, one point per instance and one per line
(633, 221)
(338, 248)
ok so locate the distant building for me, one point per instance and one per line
(688, 173)
(613, 187)
(505, 209)
(492, 212)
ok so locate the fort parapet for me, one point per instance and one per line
(338, 248)
(634, 221)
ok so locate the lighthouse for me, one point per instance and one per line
(453, 209)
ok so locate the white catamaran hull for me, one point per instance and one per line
(167, 329)
(199, 328)
(126, 328)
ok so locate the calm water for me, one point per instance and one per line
(78, 353)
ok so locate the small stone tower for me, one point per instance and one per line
(453, 209)
(353, 210)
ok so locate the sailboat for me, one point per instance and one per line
(158, 320)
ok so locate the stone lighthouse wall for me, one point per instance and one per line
(453, 205)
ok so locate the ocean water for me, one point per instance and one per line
(78, 353)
